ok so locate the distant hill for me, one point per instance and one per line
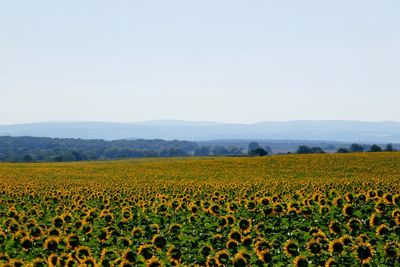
(341, 131)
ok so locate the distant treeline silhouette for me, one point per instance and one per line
(43, 149)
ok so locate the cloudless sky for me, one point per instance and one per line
(225, 60)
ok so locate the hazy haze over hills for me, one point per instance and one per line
(346, 131)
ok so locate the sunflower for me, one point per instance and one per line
(17, 262)
(314, 246)
(239, 261)
(222, 257)
(334, 227)
(211, 262)
(58, 222)
(123, 263)
(265, 256)
(235, 235)
(261, 245)
(108, 254)
(374, 220)
(364, 252)
(137, 232)
(300, 261)
(290, 248)
(346, 239)
(391, 250)
(380, 207)
(383, 229)
(174, 254)
(62, 259)
(245, 225)
(222, 221)
(348, 210)
(89, 262)
(154, 262)
(146, 251)
(247, 241)
(175, 229)
(215, 209)
(159, 241)
(231, 219)
(51, 243)
(129, 255)
(336, 246)
(331, 262)
(52, 260)
(103, 235)
(232, 244)
(73, 241)
(354, 224)
(83, 252)
(26, 243)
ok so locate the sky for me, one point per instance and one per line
(225, 60)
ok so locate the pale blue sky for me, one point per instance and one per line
(230, 61)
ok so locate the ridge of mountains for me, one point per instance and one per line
(339, 131)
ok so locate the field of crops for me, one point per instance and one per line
(295, 210)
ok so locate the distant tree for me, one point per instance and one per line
(202, 151)
(77, 156)
(268, 149)
(356, 148)
(220, 151)
(258, 152)
(389, 148)
(28, 158)
(375, 148)
(303, 150)
(309, 150)
(317, 150)
(342, 150)
(253, 146)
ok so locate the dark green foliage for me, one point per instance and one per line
(30, 149)
(375, 148)
(258, 152)
(356, 148)
(343, 150)
(309, 150)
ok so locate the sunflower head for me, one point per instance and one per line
(174, 254)
(265, 256)
(291, 248)
(146, 251)
(159, 241)
(364, 252)
(51, 244)
(244, 225)
(300, 261)
(336, 246)
(239, 261)
(314, 246)
(382, 230)
(392, 250)
(222, 257)
(26, 243)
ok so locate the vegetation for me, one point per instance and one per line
(294, 210)
(37, 149)
(309, 150)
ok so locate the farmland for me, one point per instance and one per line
(292, 210)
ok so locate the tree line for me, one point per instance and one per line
(41, 149)
(354, 148)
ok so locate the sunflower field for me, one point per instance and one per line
(292, 210)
